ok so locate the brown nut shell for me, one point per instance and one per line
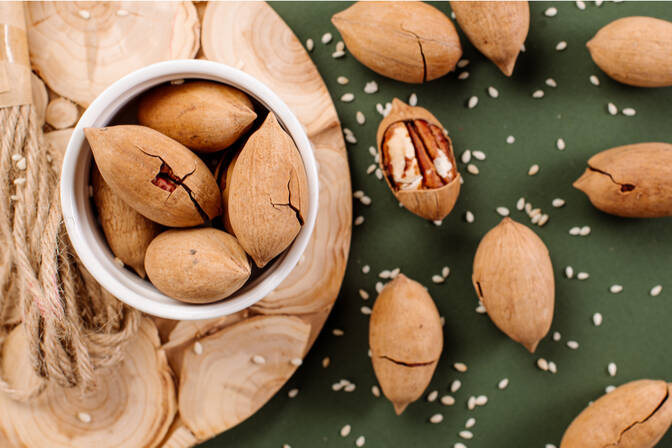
(204, 116)
(634, 415)
(157, 176)
(513, 277)
(406, 340)
(267, 194)
(197, 265)
(635, 51)
(498, 29)
(408, 41)
(633, 181)
(433, 203)
(127, 232)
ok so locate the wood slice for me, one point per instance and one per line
(133, 404)
(40, 97)
(79, 48)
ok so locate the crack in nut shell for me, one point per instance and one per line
(417, 161)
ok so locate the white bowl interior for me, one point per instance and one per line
(86, 235)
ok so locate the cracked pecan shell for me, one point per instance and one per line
(408, 41)
(635, 415)
(633, 181)
(406, 340)
(157, 176)
(266, 192)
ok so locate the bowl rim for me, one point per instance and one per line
(85, 235)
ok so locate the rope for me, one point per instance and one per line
(73, 326)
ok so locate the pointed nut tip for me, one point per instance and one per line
(399, 407)
(531, 346)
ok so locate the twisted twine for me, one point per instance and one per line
(73, 325)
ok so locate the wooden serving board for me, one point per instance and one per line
(225, 369)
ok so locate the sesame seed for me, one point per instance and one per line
(296, 362)
(122, 12)
(84, 14)
(550, 445)
(594, 80)
(528, 208)
(469, 217)
(542, 364)
(520, 205)
(612, 369)
(350, 387)
(510, 139)
(350, 138)
(348, 97)
(365, 310)
(413, 99)
(84, 417)
(361, 440)
(494, 93)
(198, 348)
(467, 435)
(481, 400)
(118, 262)
(326, 38)
(615, 289)
(452, 15)
(502, 211)
(656, 290)
(366, 269)
(503, 384)
(375, 391)
(384, 274)
(258, 359)
(379, 174)
(455, 386)
(310, 44)
(585, 231)
(609, 389)
(536, 218)
(560, 46)
(573, 345)
(325, 362)
(379, 287)
(575, 231)
(340, 46)
(177, 82)
(459, 445)
(338, 54)
(447, 400)
(471, 169)
(365, 200)
(436, 418)
(463, 75)
(480, 309)
(560, 144)
(581, 5)
(363, 294)
(460, 367)
(557, 336)
(342, 80)
(359, 221)
(371, 168)
(597, 319)
(21, 164)
(292, 393)
(543, 219)
(19, 181)
(337, 332)
(438, 279)
(478, 155)
(345, 431)
(613, 110)
(534, 169)
(466, 156)
(371, 87)
(582, 276)
(538, 94)
(380, 109)
(551, 12)
(432, 396)
(557, 202)
(550, 82)
(359, 116)
(552, 367)
(629, 112)
(462, 63)
(473, 102)
(598, 3)
(471, 403)
(16, 157)
(358, 194)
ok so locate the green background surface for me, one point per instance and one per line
(537, 406)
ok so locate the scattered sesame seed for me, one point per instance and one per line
(552, 367)
(342, 80)
(379, 174)
(452, 15)
(560, 144)
(550, 445)
(582, 276)
(122, 12)
(413, 99)
(574, 231)
(598, 3)
(337, 332)
(480, 309)
(16, 157)
(338, 54)
(445, 272)
(463, 75)
(534, 169)
(359, 221)
(536, 218)
(118, 262)
(361, 440)
(363, 294)
(558, 202)
(581, 5)
(345, 431)
(19, 181)
(594, 80)
(348, 97)
(371, 87)
(436, 418)
(473, 102)
(597, 319)
(460, 367)
(455, 386)
(292, 393)
(84, 417)
(557, 336)
(609, 389)
(358, 194)
(528, 208)
(585, 231)
(325, 362)
(365, 200)
(432, 396)
(459, 445)
(481, 400)
(612, 369)
(467, 435)
(366, 269)
(615, 289)
(296, 362)
(510, 139)
(438, 279)
(365, 310)
(613, 110)
(384, 274)
(84, 14)
(340, 46)
(198, 348)
(560, 46)
(478, 155)
(438, 222)
(371, 168)
(258, 359)
(447, 400)
(538, 94)
(350, 387)
(573, 345)
(550, 82)
(542, 364)
(629, 112)
(359, 116)
(21, 164)
(551, 12)
(471, 403)
(520, 205)
(177, 82)
(462, 63)
(494, 93)
(503, 384)
(543, 219)
(326, 38)
(375, 391)
(471, 169)
(310, 44)
(656, 290)
(502, 211)
(466, 156)
(469, 217)
(379, 287)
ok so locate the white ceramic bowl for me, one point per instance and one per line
(87, 237)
